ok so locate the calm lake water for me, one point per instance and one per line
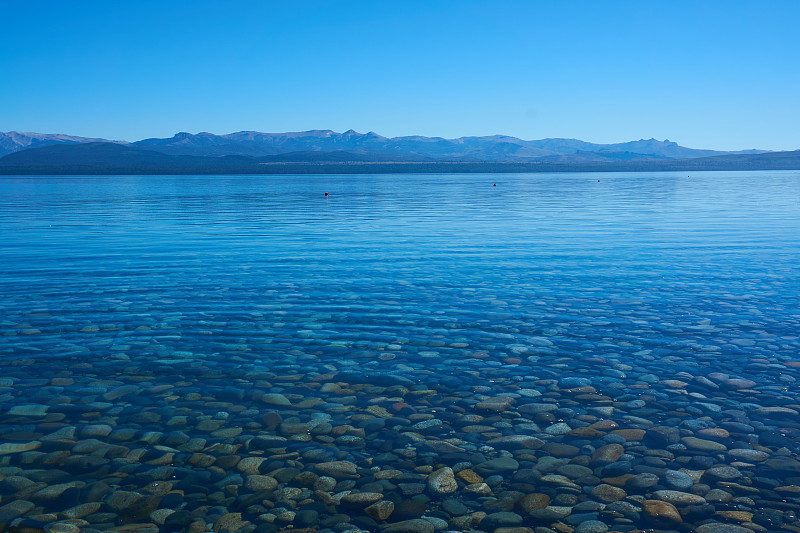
(410, 353)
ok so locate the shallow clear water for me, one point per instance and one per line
(644, 299)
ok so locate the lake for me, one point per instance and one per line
(410, 353)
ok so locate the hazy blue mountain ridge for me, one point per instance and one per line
(14, 141)
(374, 146)
(487, 148)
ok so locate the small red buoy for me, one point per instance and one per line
(495, 185)
(326, 194)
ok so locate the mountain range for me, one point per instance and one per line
(329, 151)
(376, 147)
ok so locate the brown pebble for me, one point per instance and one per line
(714, 433)
(609, 453)
(630, 434)
(661, 511)
(468, 476)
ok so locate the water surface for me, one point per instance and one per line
(254, 317)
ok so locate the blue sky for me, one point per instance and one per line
(709, 74)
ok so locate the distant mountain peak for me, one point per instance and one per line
(371, 145)
(16, 141)
(485, 148)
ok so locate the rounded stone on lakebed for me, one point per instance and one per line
(717, 527)
(642, 481)
(693, 443)
(722, 473)
(714, 433)
(498, 464)
(559, 449)
(591, 526)
(18, 447)
(276, 399)
(380, 510)
(551, 513)
(249, 465)
(677, 480)
(609, 453)
(442, 481)
(495, 520)
(338, 469)
(661, 511)
(415, 525)
(515, 442)
(469, 476)
(739, 383)
(630, 434)
(257, 482)
(608, 493)
(749, 455)
(678, 498)
(496, 404)
(362, 498)
(739, 516)
(478, 488)
(81, 510)
(559, 428)
(532, 502)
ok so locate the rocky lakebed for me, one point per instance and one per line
(392, 438)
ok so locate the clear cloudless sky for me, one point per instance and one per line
(707, 74)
